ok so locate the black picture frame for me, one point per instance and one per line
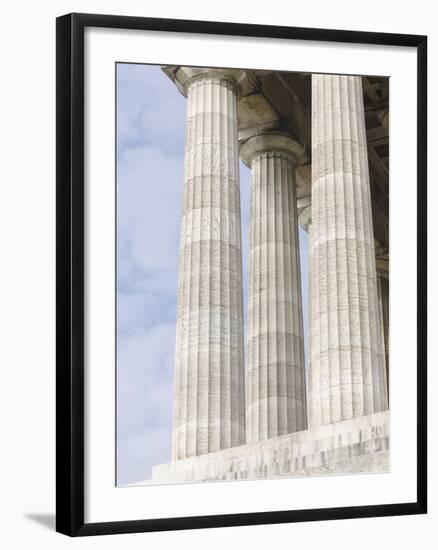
(70, 273)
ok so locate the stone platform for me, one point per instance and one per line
(360, 445)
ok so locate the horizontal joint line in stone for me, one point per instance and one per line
(273, 364)
(344, 349)
(274, 333)
(210, 243)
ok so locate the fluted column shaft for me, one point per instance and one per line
(276, 399)
(209, 412)
(383, 299)
(346, 369)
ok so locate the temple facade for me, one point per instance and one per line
(317, 148)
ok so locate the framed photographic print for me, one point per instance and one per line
(241, 274)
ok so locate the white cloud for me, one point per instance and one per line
(144, 399)
(150, 126)
(149, 109)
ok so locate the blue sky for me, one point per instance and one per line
(150, 157)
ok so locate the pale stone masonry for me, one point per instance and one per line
(276, 393)
(359, 445)
(347, 377)
(383, 304)
(317, 146)
(209, 412)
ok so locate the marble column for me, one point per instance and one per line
(383, 299)
(276, 394)
(209, 408)
(346, 365)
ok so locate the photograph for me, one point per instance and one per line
(217, 267)
(252, 274)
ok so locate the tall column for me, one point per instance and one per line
(276, 395)
(383, 300)
(209, 409)
(346, 368)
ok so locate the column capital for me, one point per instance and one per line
(382, 266)
(183, 77)
(305, 217)
(271, 142)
